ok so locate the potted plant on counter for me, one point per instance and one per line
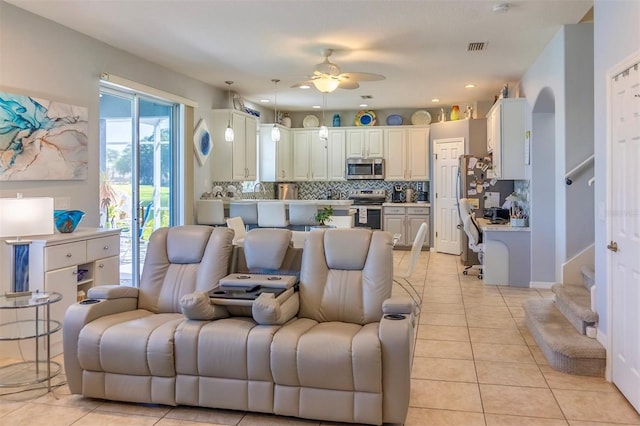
(324, 216)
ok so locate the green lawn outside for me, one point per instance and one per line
(146, 197)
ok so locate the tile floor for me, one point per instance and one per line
(475, 364)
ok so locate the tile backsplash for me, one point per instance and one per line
(318, 190)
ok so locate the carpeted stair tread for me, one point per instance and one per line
(574, 301)
(588, 275)
(565, 349)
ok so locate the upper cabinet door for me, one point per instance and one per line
(336, 164)
(418, 153)
(395, 158)
(374, 143)
(355, 143)
(301, 147)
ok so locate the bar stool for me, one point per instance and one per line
(247, 211)
(302, 214)
(210, 212)
(272, 215)
(239, 230)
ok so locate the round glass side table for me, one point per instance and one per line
(39, 327)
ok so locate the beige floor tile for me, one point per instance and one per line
(174, 422)
(517, 311)
(510, 373)
(517, 301)
(443, 349)
(489, 300)
(452, 298)
(596, 406)
(559, 380)
(502, 353)
(528, 337)
(455, 320)
(538, 355)
(443, 332)
(256, 419)
(103, 418)
(7, 406)
(583, 423)
(519, 401)
(443, 308)
(32, 414)
(134, 409)
(442, 291)
(496, 335)
(452, 370)
(427, 416)
(433, 282)
(445, 395)
(491, 321)
(205, 415)
(488, 310)
(504, 420)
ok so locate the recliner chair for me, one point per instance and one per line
(474, 234)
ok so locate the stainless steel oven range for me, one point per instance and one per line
(368, 205)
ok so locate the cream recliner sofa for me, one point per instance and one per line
(343, 353)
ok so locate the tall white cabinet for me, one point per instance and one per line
(506, 138)
(69, 263)
(275, 157)
(235, 160)
(364, 142)
(406, 153)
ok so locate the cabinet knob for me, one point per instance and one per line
(105, 248)
(69, 255)
(101, 265)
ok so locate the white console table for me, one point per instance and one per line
(507, 255)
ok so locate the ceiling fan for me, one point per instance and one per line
(327, 76)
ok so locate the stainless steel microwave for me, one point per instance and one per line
(365, 168)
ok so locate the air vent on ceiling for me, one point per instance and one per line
(477, 46)
(366, 97)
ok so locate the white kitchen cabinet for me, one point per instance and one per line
(309, 155)
(506, 138)
(70, 263)
(364, 142)
(405, 220)
(406, 153)
(275, 157)
(235, 160)
(336, 159)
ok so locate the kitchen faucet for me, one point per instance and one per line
(264, 191)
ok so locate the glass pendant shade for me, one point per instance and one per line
(228, 134)
(275, 133)
(324, 133)
(326, 84)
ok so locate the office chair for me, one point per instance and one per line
(403, 278)
(474, 234)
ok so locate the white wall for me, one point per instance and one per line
(616, 36)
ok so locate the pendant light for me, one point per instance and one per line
(324, 130)
(275, 131)
(228, 133)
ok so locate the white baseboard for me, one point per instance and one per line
(541, 284)
(601, 337)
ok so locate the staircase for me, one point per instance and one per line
(560, 328)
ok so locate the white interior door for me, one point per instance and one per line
(624, 228)
(446, 219)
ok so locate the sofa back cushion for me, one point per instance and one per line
(181, 260)
(268, 251)
(346, 274)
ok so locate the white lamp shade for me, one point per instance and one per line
(275, 133)
(326, 84)
(228, 134)
(26, 216)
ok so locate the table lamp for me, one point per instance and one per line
(20, 217)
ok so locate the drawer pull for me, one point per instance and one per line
(105, 248)
(101, 265)
(69, 255)
(75, 272)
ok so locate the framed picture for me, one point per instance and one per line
(202, 142)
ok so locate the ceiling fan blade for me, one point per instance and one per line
(348, 84)
(302, 83)
(362, 76)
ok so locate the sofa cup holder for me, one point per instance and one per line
(88, 301)
(395, 317)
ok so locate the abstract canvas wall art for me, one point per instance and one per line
(202, 142)
(42, 139)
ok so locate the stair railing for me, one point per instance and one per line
(577, 170)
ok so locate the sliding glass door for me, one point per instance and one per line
(138, 167)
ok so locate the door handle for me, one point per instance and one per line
(613, 246)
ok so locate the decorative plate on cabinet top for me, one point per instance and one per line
(421, 117)
(365, 118)
(310, 121)
(238, 103)
(394, 120)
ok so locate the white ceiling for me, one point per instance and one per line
(419, 45)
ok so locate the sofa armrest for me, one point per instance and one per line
(396, 341)
(398, 305)
(76, 317)
(198, 306)
(112, 292)
(269, 310)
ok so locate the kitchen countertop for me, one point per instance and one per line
(334, 203)
(406, 205)
(488, 227)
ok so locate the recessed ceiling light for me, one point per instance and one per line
(316, 107)
(435, 100)
(364, 105)
(305, 86)
(501, 7)
(469, 86)
(265, 101)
